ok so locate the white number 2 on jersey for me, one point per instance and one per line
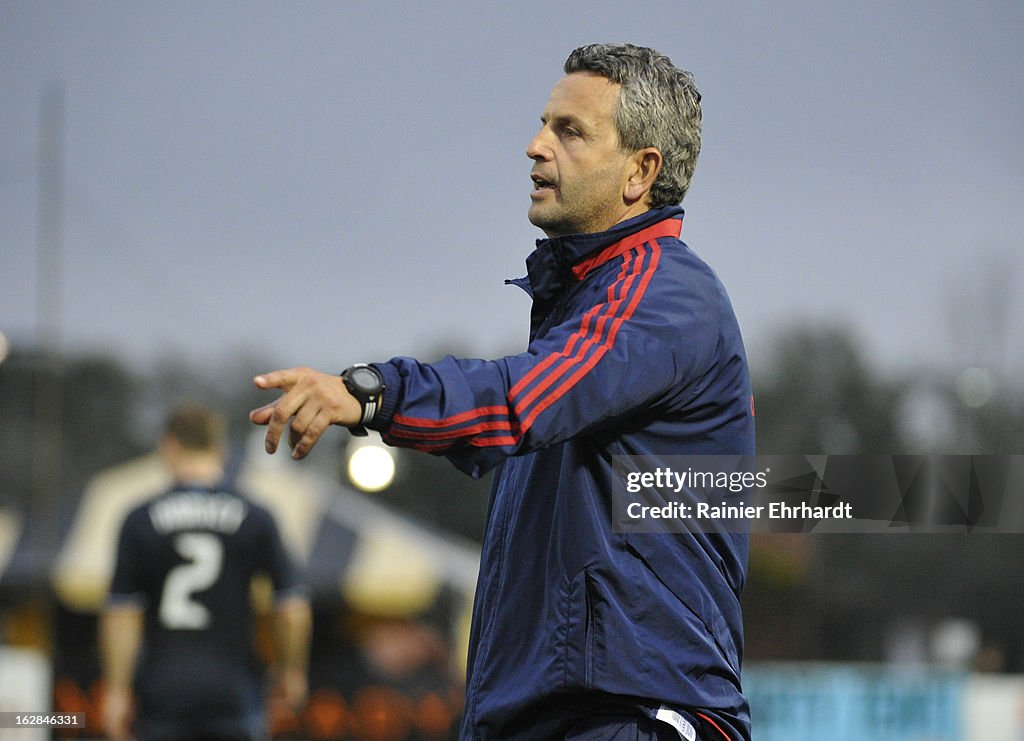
(205, 555)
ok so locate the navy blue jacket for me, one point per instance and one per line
(634, 350)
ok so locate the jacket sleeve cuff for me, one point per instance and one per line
(392, 394)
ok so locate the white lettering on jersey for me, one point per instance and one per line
(193, 511)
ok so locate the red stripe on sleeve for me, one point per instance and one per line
(454, 419)
(622, 284)
(451, 434)
(553, 358)
(559, 392)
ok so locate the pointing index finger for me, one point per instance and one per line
(276, 414)
(280, 379)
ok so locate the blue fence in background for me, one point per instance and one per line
(819, 702)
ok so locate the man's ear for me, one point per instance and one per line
(646, 164)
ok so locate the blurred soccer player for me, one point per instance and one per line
(178, 626)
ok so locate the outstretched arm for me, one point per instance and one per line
(649, 337)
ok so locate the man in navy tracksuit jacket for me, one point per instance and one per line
(580, 631)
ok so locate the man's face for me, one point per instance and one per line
(579, 170)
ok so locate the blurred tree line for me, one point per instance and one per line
(902, 597)
(851, 597)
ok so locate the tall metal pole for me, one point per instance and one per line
(49, 407)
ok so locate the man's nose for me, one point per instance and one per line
(538, 148)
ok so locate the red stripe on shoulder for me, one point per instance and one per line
(667, 228)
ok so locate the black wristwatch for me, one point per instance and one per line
(366, 384)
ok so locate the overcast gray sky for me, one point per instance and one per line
(323, 183)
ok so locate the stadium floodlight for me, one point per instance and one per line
(975, 387)
(371, 464)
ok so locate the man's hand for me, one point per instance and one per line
(312, 401)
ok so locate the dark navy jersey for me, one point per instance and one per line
(187, 558)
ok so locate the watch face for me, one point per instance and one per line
(365, 379)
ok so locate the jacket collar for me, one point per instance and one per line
(559, 262)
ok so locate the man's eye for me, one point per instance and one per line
(571, 132)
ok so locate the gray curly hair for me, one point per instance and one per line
(659, 106)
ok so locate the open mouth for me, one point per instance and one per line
(540, 183)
